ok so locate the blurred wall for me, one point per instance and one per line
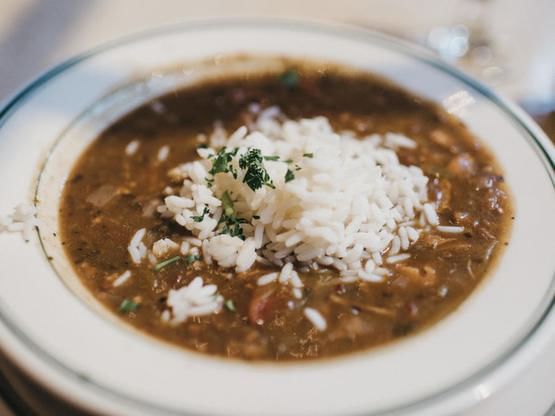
(36, 34)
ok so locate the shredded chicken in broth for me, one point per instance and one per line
(285, 216)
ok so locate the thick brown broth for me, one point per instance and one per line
(442, 272)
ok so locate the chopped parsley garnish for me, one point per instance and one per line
(310, 155)
(166, 263)
(191, 258)
(232, 226)
(222, 162)
(289, 175)
(274, 158)
(231, 223)
(251, 157)
(289, 78)
(127, 305)
(256, 175)
(200, 218)
(227, 204)
(202, 146)
(230, 306)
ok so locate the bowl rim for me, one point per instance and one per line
(535, 137)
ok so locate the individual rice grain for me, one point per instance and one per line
(431, 214)
(397, 258)
(163, 153)
(450, 229)
(132, 147)
(267, 278)
(122, 279)
(316, 319)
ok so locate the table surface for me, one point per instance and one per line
(37, 34)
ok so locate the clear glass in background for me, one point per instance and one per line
(509, 45)
(518, 35)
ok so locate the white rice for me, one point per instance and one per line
(163, 247)
(398, 258)
(334, 201)
(395, 246)
(152, 259)
(316, 319)
(442, 291)
(184, 248)
(193, 241)
(132, 147)
(137, 250)
(22, 220)
(267, 278)
(371, 277)
(345, 204)
(413, 234)
(285, 273)
(295, 280)
(121, 279)
(395, 140)
(382, 271)
(297, 293)
(163, 153)
(430, 214)
(195, 299)
(450, 229)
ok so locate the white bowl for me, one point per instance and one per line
(86, 356)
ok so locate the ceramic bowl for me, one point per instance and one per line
(58, 334)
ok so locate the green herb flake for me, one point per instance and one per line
(227, 204)
(222, 162)
(191, 258)
(166, 263)
(256, 175)
(273, 158)
(252, 156)
(256, 217)
(200, 218)
(289, 78)
(127, 305)
(289, 175)
(232, 226)
(310, 155)
(230, 306)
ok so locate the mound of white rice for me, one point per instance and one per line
(195, 299)
(327, 198)
(22, 220)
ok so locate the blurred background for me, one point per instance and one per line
(509, 44)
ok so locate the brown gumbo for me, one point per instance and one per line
(109, 195)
